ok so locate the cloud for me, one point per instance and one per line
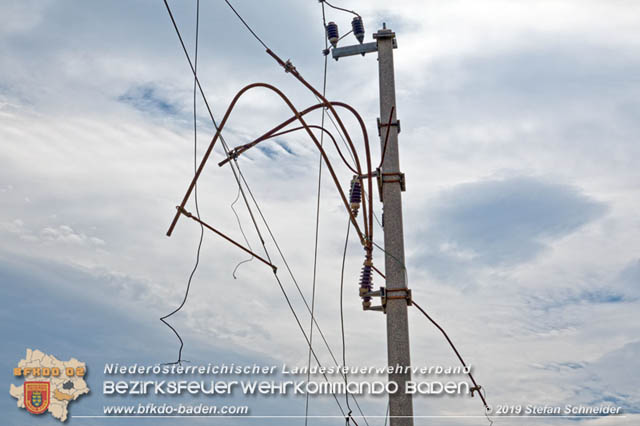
(548, 90)
(501, 222)
(147, 98)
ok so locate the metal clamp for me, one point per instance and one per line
(406, 296)
(383, 293)
(289, 67)
(381, 125)
(383, 178)
(366, 306)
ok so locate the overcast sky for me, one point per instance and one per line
(520, 125)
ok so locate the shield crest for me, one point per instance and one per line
(36, 396)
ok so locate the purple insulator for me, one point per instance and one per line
(366, 281)
(355, 195)
(358, 28)
(332, 33)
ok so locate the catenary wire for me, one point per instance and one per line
(344, 345)
(275, 273)
(246, 25)
(235, 164)
(243, 235)
(266, 47)
(444, 333)
(195, 193)
(315, 245)
(295, 281)
(339, 8)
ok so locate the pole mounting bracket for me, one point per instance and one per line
(384, 178)
(406, 296)
(381, 125)
(384, 296)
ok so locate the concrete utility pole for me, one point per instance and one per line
(392, 182)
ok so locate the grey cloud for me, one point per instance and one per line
(147, 98)
(501, 222)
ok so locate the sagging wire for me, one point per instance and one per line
(339, 8)
(304, 300)
(344, 346)
(234, 164)
(284, 292)
(349, 416)
(243, 235)
(315, 246)
(195, 193)
(476, 387)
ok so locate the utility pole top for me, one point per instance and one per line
(384, 33)
(363, 48)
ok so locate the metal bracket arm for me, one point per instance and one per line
(381, 125)
(384, 296)
(384, 178)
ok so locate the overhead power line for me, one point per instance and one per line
(195, 193)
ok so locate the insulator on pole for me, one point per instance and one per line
(366, 281)
(355, 195)
(332, 33)
(358, 28)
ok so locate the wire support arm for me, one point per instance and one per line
(232, 241)
(295, 129)
(364, 236)
(237, 151)
(289, 68)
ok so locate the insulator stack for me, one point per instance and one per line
(366, 281)
(355, 195)
(332, 33)
(358, 28)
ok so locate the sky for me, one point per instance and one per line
(519, 142)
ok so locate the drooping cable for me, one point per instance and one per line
(284, 292)
(195, 164)
(288, 66)
(243, 235)
(446, 336)
(234, 164)
(298, 288)
(339, 8)
(237, 172)
(476, 387)
(315, 245)
(344, 346)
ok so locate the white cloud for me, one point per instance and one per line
(487, 92)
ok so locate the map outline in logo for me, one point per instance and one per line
(50, 385)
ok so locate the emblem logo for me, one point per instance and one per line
(36, 396)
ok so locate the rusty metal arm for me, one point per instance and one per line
(290, 68)
(364, 238)
(211, 228)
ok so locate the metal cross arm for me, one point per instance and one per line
(232, 241)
